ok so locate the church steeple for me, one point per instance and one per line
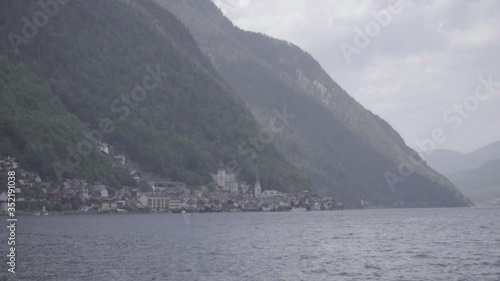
(221, 175)
(258, 190)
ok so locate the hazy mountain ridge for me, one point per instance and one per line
(476, 173)
(449, 162)
(345, 149)
(482, 184)
(94, 53)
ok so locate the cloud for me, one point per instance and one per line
(477, 36)
(427, 58)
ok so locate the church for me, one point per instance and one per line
(227, 181)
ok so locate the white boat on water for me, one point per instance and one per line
(298, 209)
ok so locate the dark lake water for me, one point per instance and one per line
(392, 244)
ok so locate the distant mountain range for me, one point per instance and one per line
(449, 162)
(476, 174)
(345, 149)
(482, 184)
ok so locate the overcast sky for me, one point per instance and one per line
(421, 62)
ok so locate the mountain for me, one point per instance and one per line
(481, 184)
(450, 162)
(37, 129)
(346, 150)
(476, 173)
(133, 73)
(446, 161)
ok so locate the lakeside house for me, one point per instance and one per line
(108, 205)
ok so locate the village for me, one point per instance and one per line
(224, 194)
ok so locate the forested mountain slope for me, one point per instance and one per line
(346, 150)
(38, 130)
(135, 67)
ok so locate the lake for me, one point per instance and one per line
(382, 244)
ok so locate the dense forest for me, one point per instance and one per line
(38, 130)
(135, 68)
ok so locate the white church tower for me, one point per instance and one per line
(258, 189)
(221, 175)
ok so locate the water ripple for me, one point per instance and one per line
(414, 244)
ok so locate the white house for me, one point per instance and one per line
(101, 190)
(272, 193)
(154, 201)
(103, 147)
(174, 204)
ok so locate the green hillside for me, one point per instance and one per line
(37, 130)
(345, 149)
(135, 67)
